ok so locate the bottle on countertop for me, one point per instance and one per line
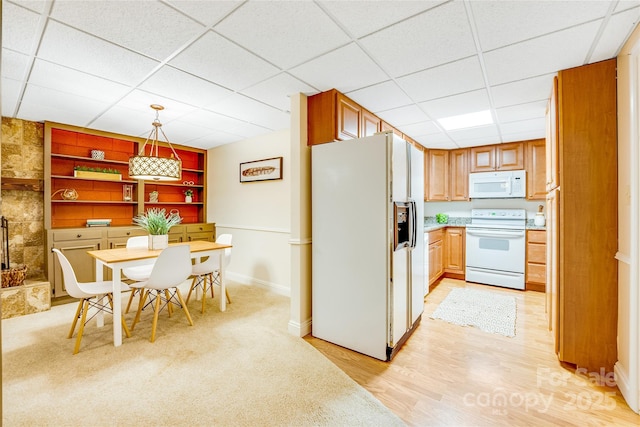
(539, 219)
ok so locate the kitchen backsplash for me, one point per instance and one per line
(463, 209)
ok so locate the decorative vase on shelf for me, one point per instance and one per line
(188, 199)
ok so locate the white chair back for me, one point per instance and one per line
(69, 276)
(138, 242)
(172, 267)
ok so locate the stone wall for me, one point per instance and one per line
(22, 154)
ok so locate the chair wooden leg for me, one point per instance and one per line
(143, 299)
(155, 318)
(75, 319)
(133, 294)
(226, 291)
(169, 306)
(204, 292)
(184, 306)
(76, 349)
(211, 284)
(193, 285)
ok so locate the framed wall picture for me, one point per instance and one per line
(261, 170)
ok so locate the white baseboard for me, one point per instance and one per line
(622, 380)
(246, 280)
(299, 329)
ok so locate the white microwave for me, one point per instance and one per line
(497, 185)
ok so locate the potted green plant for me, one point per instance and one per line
(188, 195)
(157, 223)
(107, 174)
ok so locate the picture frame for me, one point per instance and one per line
(261, 170)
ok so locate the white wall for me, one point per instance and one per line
(257, 214)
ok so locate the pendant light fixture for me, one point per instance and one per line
(153, 167)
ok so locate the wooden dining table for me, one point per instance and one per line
(119, 258)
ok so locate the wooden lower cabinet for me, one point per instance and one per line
(446, 253)
(436, 255)
(536, 260)
(454, 250)
(75, 242)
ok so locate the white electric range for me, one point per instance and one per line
(495, 247)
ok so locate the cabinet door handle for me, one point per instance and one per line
(79, 236)
(128, 233)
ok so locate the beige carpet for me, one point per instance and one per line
(237, 368)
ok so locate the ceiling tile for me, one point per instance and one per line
(35, 5)
(216, 59)
(249, 130)
(537, 124)
(618, 29)
(38, 104)
(127, 121)
(56, 77)
(475, 142)
(114, 20)
(211, 120)
(420, 129)
(214, 139)
(384, 13)
(243, 108)
(381, 96)
(205, 12)
(520, 92)
(489, 131)
(298, 31)
(531, 110)
(19, 28)
(464, 103)
(277, 90)
(345, 69)
(184, 87)
(179, 132)
(139, 100)
(544, 55)
(403, 116)
(502, 23)
(626, 4)
(10, 93)
(14, 64)
(432, 38)
(449, 79)
(77, 50)
(436, 140)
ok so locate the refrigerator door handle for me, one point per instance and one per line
(413, 226)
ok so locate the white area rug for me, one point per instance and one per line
(486, 311)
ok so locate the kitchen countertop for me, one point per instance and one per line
(430, 223)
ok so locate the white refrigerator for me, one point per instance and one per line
(368, 247)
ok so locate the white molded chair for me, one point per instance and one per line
(91, 295)
(172, 268)
(138, 273)
(210, 269)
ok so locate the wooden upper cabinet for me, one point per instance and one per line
(459, 174)
(349, 114)
(536, 170)
(371, 124)
(500, 157)
(483, 159)
(437, 175)
(384, 126)
(510, 156)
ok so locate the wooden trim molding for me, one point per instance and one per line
(22, 184)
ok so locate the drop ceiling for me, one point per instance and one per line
(224, 70)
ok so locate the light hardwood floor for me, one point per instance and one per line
(451, 375)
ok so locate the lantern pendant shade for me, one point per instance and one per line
(153, 167)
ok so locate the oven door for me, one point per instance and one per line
(495, 249)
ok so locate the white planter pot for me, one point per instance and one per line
(188, 199)
(160, 241)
